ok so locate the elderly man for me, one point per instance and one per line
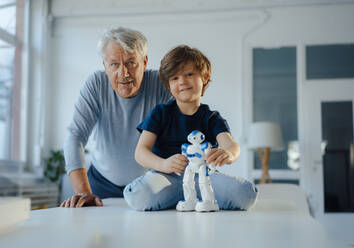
(113, 102)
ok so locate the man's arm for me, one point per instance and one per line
(87, 110)
(145, 157)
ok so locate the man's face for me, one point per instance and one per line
(125, 70)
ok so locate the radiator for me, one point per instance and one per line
(43, 194)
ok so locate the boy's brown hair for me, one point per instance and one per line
(177, 58)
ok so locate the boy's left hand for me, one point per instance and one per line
(219, 157)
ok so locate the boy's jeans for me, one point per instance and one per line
(157, 191)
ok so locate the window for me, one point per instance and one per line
(11, 32)
(8, 16)
(330, 61)
(275, 100)
(7, 53)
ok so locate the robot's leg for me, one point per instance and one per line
(190, 195)
(208, 202)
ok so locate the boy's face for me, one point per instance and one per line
(187, 84)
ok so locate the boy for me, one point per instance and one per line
(185, 72)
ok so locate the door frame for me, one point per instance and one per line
(314, 94)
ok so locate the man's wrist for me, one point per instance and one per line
(82, 191)
(79, 181)
(82, 187)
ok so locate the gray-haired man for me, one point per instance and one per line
(113, 102)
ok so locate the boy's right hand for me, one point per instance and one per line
(176, 163)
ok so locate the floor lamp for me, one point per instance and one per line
(264, 137)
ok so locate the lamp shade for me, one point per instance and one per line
(265, 135)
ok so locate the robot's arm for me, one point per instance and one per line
(184, 149)
(206, 147)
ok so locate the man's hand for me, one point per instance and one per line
(219, 157)
(176, 163)
(82, 200)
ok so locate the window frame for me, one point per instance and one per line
(276, 174)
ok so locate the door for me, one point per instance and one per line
(329, 153)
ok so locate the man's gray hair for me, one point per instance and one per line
(130, 40)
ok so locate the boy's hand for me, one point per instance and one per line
(219, 157)
(176, 163)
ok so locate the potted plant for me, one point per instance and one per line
(55, 166)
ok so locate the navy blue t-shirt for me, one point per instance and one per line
(172, 127)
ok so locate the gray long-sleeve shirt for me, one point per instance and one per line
(114, 120)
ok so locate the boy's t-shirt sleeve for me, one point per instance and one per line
(218, 124)
(152, 121)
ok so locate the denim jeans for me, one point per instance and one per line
(158, 191)
(101, 186)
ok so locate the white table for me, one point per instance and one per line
(116, 225)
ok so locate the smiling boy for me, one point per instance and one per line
(185, 72)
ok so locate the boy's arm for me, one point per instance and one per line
(145, 157)
(227, 152)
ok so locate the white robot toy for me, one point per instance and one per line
(197, 164)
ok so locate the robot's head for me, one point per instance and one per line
(196, 137)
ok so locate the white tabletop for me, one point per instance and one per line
(116, 225)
